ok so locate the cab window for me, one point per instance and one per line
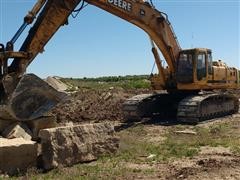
(238, 72)
(210, 70)
(185, 62)
(185, 68)
(201, 66)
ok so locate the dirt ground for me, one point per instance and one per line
(206, 166)
(213, 165)
(211, 162)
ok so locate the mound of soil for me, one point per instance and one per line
(96, 105)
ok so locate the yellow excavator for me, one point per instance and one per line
(194, 85)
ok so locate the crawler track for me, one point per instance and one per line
(193, 109)
(135, 107)
(187, 108)
(149, 105)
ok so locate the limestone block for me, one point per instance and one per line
(17, 155)
(65, 146)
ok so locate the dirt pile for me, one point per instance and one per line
(91, 104)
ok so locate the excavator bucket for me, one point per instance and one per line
(32, 98)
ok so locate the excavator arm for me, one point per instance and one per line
(50, 16)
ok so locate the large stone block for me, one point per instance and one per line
(17, 155)
(65, 146)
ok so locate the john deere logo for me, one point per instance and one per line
(121, 4)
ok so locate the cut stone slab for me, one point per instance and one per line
(17, 155)
(44, 122)
(17, 130)
(66, 146)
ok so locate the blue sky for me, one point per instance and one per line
(97, 43)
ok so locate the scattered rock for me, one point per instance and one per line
(107, 96)
(65, 146)
(56, 84)
(17, 155)
(41, 123)
(151, 156)
(187, 131)
(17, 130)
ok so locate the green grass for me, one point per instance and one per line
(133, 149)
(213, 136)
(177, 145)
(126, 82)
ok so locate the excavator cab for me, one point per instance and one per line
(194, 65)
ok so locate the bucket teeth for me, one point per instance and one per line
(32, 98)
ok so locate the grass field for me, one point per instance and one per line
(126, 82)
